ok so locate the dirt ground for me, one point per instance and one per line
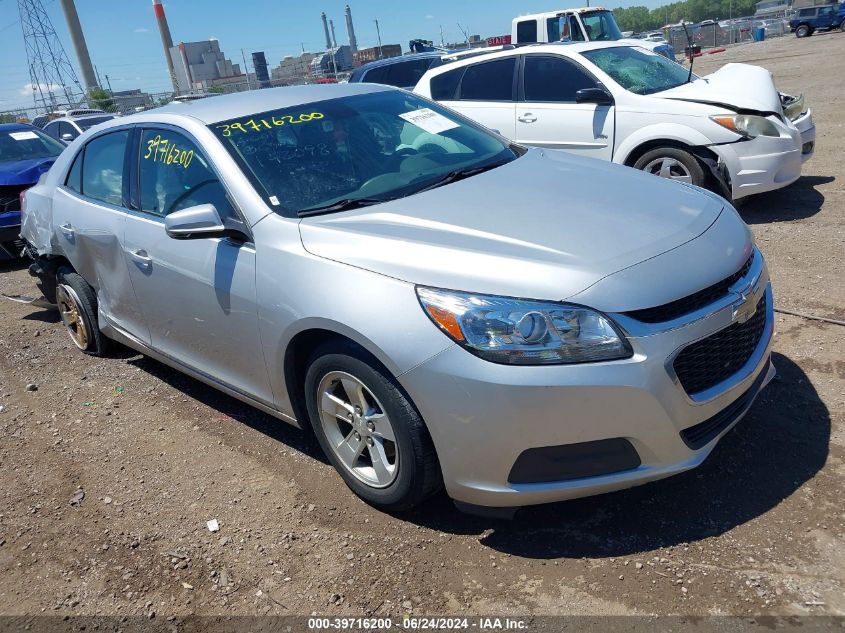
(758, 529)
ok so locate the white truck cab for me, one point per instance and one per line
(588, 24)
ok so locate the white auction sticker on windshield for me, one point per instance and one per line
(23, 136)
(429, 120)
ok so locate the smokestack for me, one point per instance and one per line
(353, 41)
(326, 31)
(184, 53)
(79, 45)
(334, 39)
(166, 41)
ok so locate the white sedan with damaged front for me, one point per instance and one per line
(731, 131)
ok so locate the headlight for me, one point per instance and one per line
(521, 332)
(793, 107)
(747, 125)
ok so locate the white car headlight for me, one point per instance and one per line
(521, 332)
(748, 125)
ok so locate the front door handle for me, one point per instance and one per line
(528, 117)
(141, 256)
(68, 229)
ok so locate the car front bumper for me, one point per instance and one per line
(483, 416)
(10, 228)
(766, 163)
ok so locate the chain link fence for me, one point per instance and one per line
(711, 34)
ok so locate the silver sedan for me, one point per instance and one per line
(438, 305)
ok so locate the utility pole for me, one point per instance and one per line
(246, 71)
(77, 38)
(465, 32)
(378, 33)
(108, 83)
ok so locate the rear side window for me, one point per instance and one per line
(526, 32)
(175, 175)
(445, 87)
(553, 79)
(102, 172)
(553, 29)
(489, 81)
(807, 13)
(74, 176)
(376, 75)
(407, 74)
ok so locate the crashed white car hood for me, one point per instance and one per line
(739, 86)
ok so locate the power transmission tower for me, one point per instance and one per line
(50, 70)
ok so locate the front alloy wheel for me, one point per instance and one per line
(369, 429)
(358, 430)
(70, 311)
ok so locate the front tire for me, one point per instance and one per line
(77, 304)
(369, 430)
(802, 31)
(674, 164)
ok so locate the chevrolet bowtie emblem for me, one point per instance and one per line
(745, 305)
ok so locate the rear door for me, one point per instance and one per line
(89, 216)
(484, 92)
(548, 116)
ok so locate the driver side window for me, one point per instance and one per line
(175, 175)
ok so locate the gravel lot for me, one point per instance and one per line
(757, 530)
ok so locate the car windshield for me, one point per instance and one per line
(87, 122)
(601, 26)
(26, 144)
(639, 70)
(351, 151)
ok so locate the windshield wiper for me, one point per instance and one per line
(341, 205)
(460, 174)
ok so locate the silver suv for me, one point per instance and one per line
(438, 305)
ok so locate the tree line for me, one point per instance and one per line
(640, 19)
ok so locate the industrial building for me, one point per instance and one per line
(197, 64)
(293, 70)
(333, 60)
(366, 55)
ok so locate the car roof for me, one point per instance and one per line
(558, 48)
(238, 104)
(15, 127)
(84, 117)
(388, 61)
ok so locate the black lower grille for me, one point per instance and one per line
(693, 302)
(718, 357)
(703, 433)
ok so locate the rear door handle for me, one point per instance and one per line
(141, 256)
(68, 229)
(528, 117)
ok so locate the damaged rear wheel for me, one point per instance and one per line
(77, 304)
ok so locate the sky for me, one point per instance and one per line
(124, 42)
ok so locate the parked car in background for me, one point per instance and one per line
(42, 119)
(348, 257)
(588, 24)
(729, 131)
(25, 154)
(805, 22)
(401, 72)
(67, 128)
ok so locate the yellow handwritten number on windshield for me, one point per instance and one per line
(260, 125)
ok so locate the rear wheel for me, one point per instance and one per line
(77, 304)
(369, 430)
(674, 164)
(842, 26)
(802, 31)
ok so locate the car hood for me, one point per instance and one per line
(736, 86)
(545, 226)
(24, 172)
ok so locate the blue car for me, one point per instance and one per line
(806, 21)
(25, 153)
(401, 72)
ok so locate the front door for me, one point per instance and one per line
(198, 295)
(549, 117)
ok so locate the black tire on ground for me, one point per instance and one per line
(842, 26)
(85, 300)
(802, 31)
(692, 165)
(418, 471)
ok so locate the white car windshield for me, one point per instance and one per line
(639, 70)
(353, 151)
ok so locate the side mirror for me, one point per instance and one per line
(599, 96)
(197, 222)
(67, 137)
